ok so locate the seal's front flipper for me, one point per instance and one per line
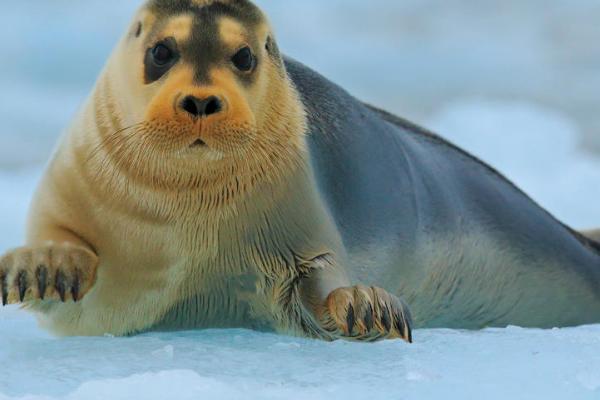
(366, 314)
(350, 312)
(594, 235)
(52, 272)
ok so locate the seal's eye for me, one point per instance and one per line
(244, 60)
(162, 55)
(159, 59)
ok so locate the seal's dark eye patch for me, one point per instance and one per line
(160, 58)
(244, 60)
(138, 30)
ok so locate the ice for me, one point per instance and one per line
(524, 99)
(492, 364)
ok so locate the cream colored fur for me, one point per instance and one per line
(150, 238)
(235, 225)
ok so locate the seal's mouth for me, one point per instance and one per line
(198, 143)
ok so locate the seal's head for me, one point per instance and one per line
(200, 88)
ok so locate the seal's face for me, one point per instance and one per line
(208, 79)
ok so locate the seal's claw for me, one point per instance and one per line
(369, 318)
(350, 320)
(41, 275)
(52, 272)
(385, 319)
(361, 313)
(22, 284)
(75, 288)
(3, 288)
(338, 307)
(61, 285)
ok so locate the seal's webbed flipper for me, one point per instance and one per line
(367, 314)
(594, 235)
(51, 272)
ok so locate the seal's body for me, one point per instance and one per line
(208, 182)
(423, 219)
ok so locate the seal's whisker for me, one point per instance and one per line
(119, 145)
(109, 140)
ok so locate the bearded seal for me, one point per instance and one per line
(211, 182)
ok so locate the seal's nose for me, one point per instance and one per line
(199, 108)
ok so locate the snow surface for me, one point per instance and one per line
(494, 364)
(524, 99)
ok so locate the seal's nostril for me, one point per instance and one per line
(213, 106)
(202, 108)
(190, 106)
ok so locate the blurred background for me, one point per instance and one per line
(517, 82)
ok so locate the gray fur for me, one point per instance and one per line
(429, 222)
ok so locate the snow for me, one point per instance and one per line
(493, 364)
(513, 102)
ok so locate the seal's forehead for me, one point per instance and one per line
(243, 10)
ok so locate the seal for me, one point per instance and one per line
(594, 235)
(183, 196)
(211, 182)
